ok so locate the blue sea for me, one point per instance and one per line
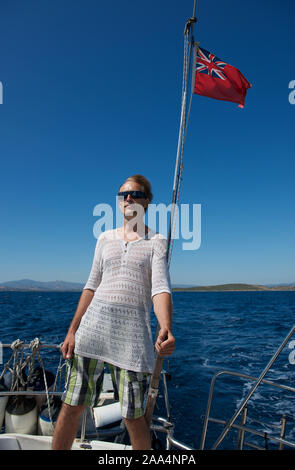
(214, 331)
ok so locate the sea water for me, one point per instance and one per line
(214, 331)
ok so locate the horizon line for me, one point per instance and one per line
(191, 284)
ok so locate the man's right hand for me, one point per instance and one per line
(68, 346)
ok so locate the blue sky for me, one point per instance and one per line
(91, 95)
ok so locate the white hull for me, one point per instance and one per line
(31, 442)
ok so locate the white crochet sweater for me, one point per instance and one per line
(125, 276)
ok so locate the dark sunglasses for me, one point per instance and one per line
(133, 194)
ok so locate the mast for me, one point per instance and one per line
(184, 118)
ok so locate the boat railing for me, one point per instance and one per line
(242, 409)
(26, 346)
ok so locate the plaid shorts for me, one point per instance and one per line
(85, 380)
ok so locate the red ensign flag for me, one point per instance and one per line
(216, 79)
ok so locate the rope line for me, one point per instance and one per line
(21, 381)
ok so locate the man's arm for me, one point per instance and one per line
(165, 343)
(69, 342)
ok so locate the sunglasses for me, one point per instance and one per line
(133, 194)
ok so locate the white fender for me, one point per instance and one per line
(3, 403)
(107, 414)
(22, 424)
(45, 427)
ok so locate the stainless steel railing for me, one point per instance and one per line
(258, 380)
(166, 427)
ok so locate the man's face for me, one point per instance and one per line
(126, 204)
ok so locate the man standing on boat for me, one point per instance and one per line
(111, 325)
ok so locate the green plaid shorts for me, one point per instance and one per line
(85, 379)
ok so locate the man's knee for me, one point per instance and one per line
(135, 421)
(72, 409)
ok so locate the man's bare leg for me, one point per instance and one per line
(139, 433)
(66, 426)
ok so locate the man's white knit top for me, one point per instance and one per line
(125, 276)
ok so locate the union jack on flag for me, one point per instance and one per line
(217, 79)
(210, 64)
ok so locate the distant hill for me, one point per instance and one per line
(63, 286)
(237, 287)
(31, 285)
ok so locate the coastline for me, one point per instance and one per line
(238, 287)
(235, 288)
